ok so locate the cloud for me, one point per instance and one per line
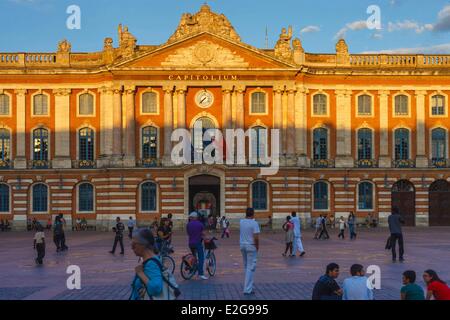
(352, 26)
(377, 36)
(310, 29)
(409, 25)
(443, 23)
(436, 49)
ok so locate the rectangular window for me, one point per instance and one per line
(320, 105)
(438, 106)
(4, 104)
(258, 102)
(40, 103)
(364, 105)
(401, 106)
(149, 102)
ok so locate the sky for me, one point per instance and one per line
(405, 25)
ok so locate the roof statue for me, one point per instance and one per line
(283, 47)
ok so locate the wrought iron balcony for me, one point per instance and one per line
(39, 164)
(5, 164)
(84, 164)
(322, 163)
(440, 163)
(149, 163)
(404, 163)
(366, 163)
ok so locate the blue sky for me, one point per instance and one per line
(407, 25)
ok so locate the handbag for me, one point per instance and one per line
(389, 243)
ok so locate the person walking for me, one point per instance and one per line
(395, 222)
(324, 232)
(39, 244)
(356, 287)
(436, 288)
(298, 245)
(288, 228)
(64, 247)
(410, 290)
(342, 226)
(249, 245)
(148, 281)
(57, 233)
(225, 224)
(351, 225)
(131, 224)
(196, 232)
(118, 229)
(326, 288)
(318, 227)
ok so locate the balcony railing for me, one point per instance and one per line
(404, 163)
(366, 163)
(322, 163)
(39, 164)
(149, 163)
(440, 163)
(5, 164)
(84, 164)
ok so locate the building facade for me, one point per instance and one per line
(89, 134)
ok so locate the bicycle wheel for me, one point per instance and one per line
(168, 263)
(187, 272)
(211, 264)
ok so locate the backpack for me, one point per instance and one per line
(170, 290)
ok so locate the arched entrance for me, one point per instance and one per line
(204, 194)
(404, 198)
(439, 196)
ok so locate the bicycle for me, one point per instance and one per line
(189, 265)
(167, 261)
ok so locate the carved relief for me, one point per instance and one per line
(64, 46)
(204, 21)
(205, 54)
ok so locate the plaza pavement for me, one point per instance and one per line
(108, 277)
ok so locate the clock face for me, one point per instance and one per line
(204, 99)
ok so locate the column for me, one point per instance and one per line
(384, 160)
(20, 161)
(343, 126)
(278, 113)
(62, 129)
(181, 93)
(130, 127)
(117, 127)
(168, 124)
(290, 136)
(240, 109)
(301, 133)
(226, 106)
(421, 157)
(106, 127)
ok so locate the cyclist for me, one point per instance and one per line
(196, 232)
(164, 234)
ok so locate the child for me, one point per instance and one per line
(225, 227)
(341, 228)
(39, 244)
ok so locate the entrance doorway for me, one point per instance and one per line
(204, 195)
(439, 197)
(404, 198)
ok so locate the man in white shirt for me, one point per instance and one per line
(249, 243)
(297, 235)
(131, 225)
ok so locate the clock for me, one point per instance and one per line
(204, 99)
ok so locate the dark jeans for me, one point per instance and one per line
(120, 240)
(225, 233)
(130, 232)
(198, 251)
(351, 228)
(324, 232)
(57, 240)
(341, 234)
(63, 242)
(394, 238)
(40, 248)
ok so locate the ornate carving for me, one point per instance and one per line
(64, 46)
(297, 44)
(204, 21)
(108, 44)
(127, 42)
(283, 47)
(341, 47)
(205, 54)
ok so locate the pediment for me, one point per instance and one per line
(205, 51)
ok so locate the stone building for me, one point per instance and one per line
(89, 134)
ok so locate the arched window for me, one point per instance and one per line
(40, 144)
(40, 198)
(438, 105)
(200, 127)
(320, 105)
(258, 102)
(4, 104)
(321, 196)
(4, 198)
(364, 105)
(86, 197)
(365, 196)
(259, 195)
(148, 196)
(86, 144)
(149, 102)
(86, 104)
(40, 105)
(320, 144)
(401, 105)
(5, 146)
(438, 144)
(258, 144)
(364, 144)
(149, 143)
(401, 144)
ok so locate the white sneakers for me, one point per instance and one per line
(203, 277)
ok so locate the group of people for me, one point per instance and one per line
(358, 286)
(81, 224)
(293, 236)
(4, 225)
(322, 231)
